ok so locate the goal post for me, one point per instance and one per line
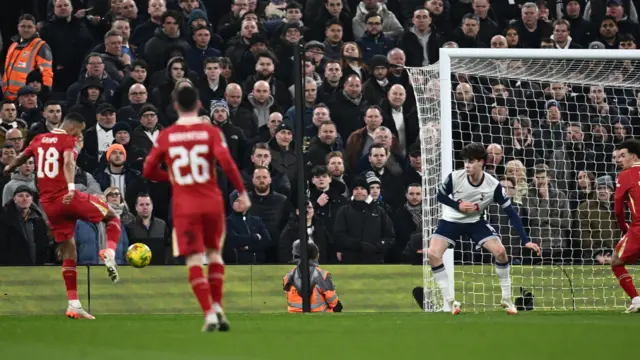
(568, 108)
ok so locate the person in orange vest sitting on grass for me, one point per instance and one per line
(323, 292)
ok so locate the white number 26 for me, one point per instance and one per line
(195, 162)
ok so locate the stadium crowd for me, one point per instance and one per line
(116, 62)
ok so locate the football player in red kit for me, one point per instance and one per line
(191, 148)
(56, 154)
(628, 191)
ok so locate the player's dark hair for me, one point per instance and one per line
(319, 170)
(474, 151)
(632, 146)
(74, 118)
(186, 98)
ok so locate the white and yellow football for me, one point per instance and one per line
(138, 255)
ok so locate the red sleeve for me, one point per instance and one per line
(622, 185)
(151, 170)
(221, 152)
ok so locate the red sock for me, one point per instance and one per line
(70, 278)
(200, 287)
(626, 282)
(113, 233)
(216, 280)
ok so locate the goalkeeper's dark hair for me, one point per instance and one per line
(632, 146)
(312, 251)
(186, 98)
(74, 118)
(474, 151)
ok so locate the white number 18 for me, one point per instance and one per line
(48, 164)
(196, 162)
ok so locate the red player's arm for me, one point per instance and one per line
(221, 152)
(619, 199)
(151, 170)
(22, 158)
(69, 168)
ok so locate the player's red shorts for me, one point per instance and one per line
(628, 249)
(62, 218)
(194, 233)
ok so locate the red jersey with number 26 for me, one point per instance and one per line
(628, 190)
(48, 149)
(191, 149)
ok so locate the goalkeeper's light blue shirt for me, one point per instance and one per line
(458, 187)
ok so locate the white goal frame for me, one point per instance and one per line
(446, 131)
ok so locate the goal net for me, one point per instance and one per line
(550, 122)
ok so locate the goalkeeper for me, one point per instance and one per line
(466, 194)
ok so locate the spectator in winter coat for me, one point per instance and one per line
(25, 239)
(316, 232)
(271, 207)
(117, 174)
(406, 221)
(24, 177)
(150, 230)
(89, 100)
(326, 197)
(201, 51)
(236, 141)
(261, 157)
(164, 38)
(91, 238)
(391, 27)
(247, 237)
(145, 134)
(283, 156)
(322, 145)
(138, 96)
(363, 232)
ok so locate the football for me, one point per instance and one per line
(138, 255)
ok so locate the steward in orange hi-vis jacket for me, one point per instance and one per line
(27, 53)
(323, 291)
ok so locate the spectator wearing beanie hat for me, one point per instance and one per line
(122, 135)
(375, 186)
(375, 89)
(236, 141)
(363, 232)
(117, 173)
(145, 134)
(34, 79)
(283, 156)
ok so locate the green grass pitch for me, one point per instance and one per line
(152, 314)
(584, 336)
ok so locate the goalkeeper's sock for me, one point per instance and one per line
(442, 279)
(216, 280)
(502, 269)
(626, 282)
(70, 277)
(113, 233)
(200, 287)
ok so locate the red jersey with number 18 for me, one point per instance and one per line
(48, 149)
(191, 149)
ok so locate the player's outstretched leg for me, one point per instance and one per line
(216, 282)
(495, 247)
(625, 280)
(200, 287)
(69, 274)
(108, 255)
(437, 247)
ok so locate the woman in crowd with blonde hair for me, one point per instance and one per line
(516, 170)
(114, 198)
